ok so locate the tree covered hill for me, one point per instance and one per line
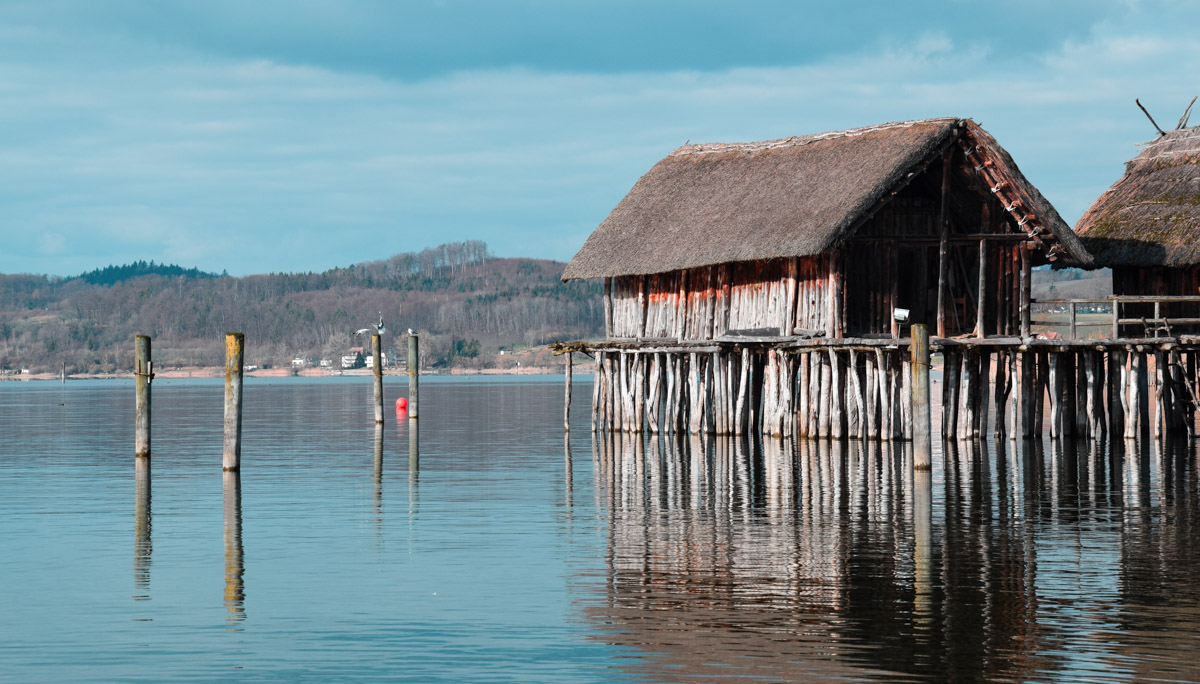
(467, 304)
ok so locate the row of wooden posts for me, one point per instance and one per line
(235, 344)
(1093, 389)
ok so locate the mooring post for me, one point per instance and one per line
(922, 429)
(414, 372)
(567, 401)
(235, 344)
(377, 371)
(142, 374)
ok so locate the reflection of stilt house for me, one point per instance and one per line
(1147, 229)
(726, 265)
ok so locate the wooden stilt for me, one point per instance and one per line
(859, 404)
(1002, 389)
(970, 427)
(1160, 379)
(1082, 428)
(1142, 389)
(1055, 395)
(1039, 394)
(1116, 405)
(597, 383)
(1027, 373)
(985, 379)
(836, 423)
(870, 405)
(823, 418)
(885, 414)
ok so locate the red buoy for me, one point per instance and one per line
(401, 403)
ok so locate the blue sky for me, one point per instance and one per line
(301, 135)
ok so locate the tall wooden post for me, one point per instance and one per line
(567, 402)
(1026, 285)
(943, 246)
(922, 428)
(142, 375)
(377, 371)
(414, 373)
(235, 343)
(981, 290)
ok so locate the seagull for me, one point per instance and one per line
(378, 328)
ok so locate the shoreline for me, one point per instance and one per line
(219, 371)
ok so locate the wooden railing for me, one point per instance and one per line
(1156, 325)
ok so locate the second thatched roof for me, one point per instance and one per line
(717, 203)
(1151, 217)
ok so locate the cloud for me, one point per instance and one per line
(132, 149)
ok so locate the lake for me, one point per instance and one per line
(503, 552)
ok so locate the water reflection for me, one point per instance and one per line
(569, 474)
(235, 589)
(789, 560)
(141, 530)
(377, 491)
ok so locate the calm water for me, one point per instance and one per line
(507, 554)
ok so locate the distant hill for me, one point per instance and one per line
(467, 304)
(111, 275)
(1071, 283)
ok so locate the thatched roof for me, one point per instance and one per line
(717, 203)
(1151, 216)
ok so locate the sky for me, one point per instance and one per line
(299, 136)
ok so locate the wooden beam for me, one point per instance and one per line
(608, 306)
(981, 299)
(943, 246)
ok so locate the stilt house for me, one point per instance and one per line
(1146, 228)
(767, 285)
(844, 234)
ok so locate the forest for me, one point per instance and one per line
(468, 305)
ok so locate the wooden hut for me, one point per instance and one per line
(826, 235)
(1146, 228)
(727, 265)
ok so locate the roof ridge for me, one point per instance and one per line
(793, 141)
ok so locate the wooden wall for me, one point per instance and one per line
(709, 302)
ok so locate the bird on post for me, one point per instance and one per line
(378, 328)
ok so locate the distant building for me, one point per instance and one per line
(383, 359)
(353, 359)
(299, 362)
(325, 363)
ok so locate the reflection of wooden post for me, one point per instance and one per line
(568, 476)
(235, 589)
(142, 373)
(414, 372)
(377, 371)
(414, 452)
(235, 345)
(922, 442)
(141, 527)
(378, 472)
(567, 402)
(922, 544)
